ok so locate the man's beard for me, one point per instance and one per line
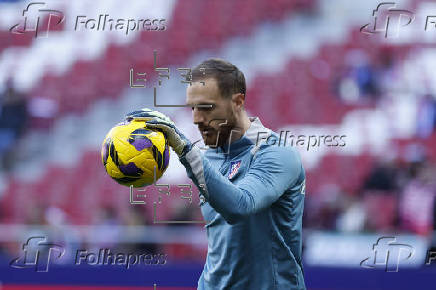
(221, 136)
(216, 138)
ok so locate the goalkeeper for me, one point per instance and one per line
(252, 193)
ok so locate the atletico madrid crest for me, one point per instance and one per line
(234, 167)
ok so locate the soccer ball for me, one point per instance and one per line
(133, 154)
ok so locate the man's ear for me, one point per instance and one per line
(239, 100)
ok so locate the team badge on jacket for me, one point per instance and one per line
(234, 167)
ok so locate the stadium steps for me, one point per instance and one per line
(274, 67)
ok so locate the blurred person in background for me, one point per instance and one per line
(13, 121)
(417, 199)
(357, 81)
(426, 116)
(133, 218)
(382, 178)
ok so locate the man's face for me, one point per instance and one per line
(216, 121)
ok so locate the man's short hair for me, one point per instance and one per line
(229, 78)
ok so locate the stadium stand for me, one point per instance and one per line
(339, 81)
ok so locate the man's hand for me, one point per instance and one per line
(154, 119)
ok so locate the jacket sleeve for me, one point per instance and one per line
(273, 171)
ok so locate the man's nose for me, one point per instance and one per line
(197, 116)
